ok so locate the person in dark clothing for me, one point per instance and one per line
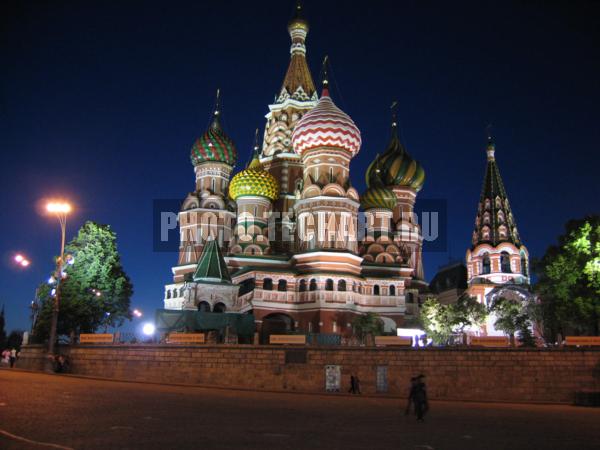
(413, 383)
(419, 398)
(352, 389)
(357, 384)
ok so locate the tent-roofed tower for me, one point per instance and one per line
(296, 97)
(497, 262)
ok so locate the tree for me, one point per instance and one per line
(96, 290)
(15, 339)
(442, 321)
(515, 317)
(437, 321)
(569, 280)
(366, 325)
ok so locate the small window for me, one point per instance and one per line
(376, 289)
(505, 262)
(313, 285)
(392, 290)
(302, 287)
(329, 284)
(342, 285)
(268, 284)
(282, 285)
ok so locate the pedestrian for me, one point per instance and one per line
(419, 398)
(352, 389)
(357, 384)
(413, 384)
(13, 357)
(5, 357)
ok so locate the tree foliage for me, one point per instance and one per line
(96, 290)
(569, 280)
(368, 324)
(441, 321)
(515, 317)
(2, 330)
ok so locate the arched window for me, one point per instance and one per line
(302, 287)
(342, 285)
(376, 289)
(169, 293)
(329, 284)
(181, 292)
(410, 298)
(268, 284)
(282, 285)
(219, 308)
(313, 285)
(392, 290)
(505, 262)
(486, 267)
(524, 268)
(212, 185)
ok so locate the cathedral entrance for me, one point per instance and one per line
(275, 324)
(204, 307)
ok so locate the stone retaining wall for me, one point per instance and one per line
(512, 375)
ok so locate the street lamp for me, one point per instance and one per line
(60, 210)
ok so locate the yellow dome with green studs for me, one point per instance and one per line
(254, 181)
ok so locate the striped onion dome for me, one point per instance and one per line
(254, 180)
(326, 126)
(214, 145)
(378, 197)
(395, 167)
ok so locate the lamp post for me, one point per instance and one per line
(60, 210)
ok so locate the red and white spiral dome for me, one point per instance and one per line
(326, 126)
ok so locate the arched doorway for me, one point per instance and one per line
(219, 307)
(276, 324)
(204, 306)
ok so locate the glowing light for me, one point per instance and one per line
(58, 207)
(25, 263)
(414, 333)
(19, 258)
(137, 313)
(53, 292)
(149, 329)
(51, 280)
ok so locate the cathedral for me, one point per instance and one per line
(289, 240)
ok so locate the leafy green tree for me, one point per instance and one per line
(367, 325)
(437, 320)
(569, 280)
(96, 291)
(515, 317)
(441, 321)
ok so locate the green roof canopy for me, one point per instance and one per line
(212, 266)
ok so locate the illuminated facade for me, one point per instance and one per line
(497, 262)
(287, 226)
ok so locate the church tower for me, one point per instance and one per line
(206, 212)
(327, 139)
(296, 97)
(497, 262)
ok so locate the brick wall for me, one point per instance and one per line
(514, 375)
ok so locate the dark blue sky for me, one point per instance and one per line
(101, 101)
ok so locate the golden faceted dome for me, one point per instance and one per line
(254, 181)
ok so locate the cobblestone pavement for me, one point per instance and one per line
(77, 413)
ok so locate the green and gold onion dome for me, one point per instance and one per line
(254, 180)
(214, 145)
(395, 167)
(378, 196)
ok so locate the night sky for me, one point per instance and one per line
(101, 102)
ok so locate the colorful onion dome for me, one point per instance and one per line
(395, 167)
(214, 144)
(378, 197)
(254, 180)
(326, 126)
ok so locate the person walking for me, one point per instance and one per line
(419, 398)
(13, 357)
(357, 384)
(352, 389)
(413, 384)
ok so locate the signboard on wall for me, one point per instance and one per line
(186, 338)
(582, 340)
(96, 338)
(333, 378)
(490, 341)
(299, 339)
(404, 341)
